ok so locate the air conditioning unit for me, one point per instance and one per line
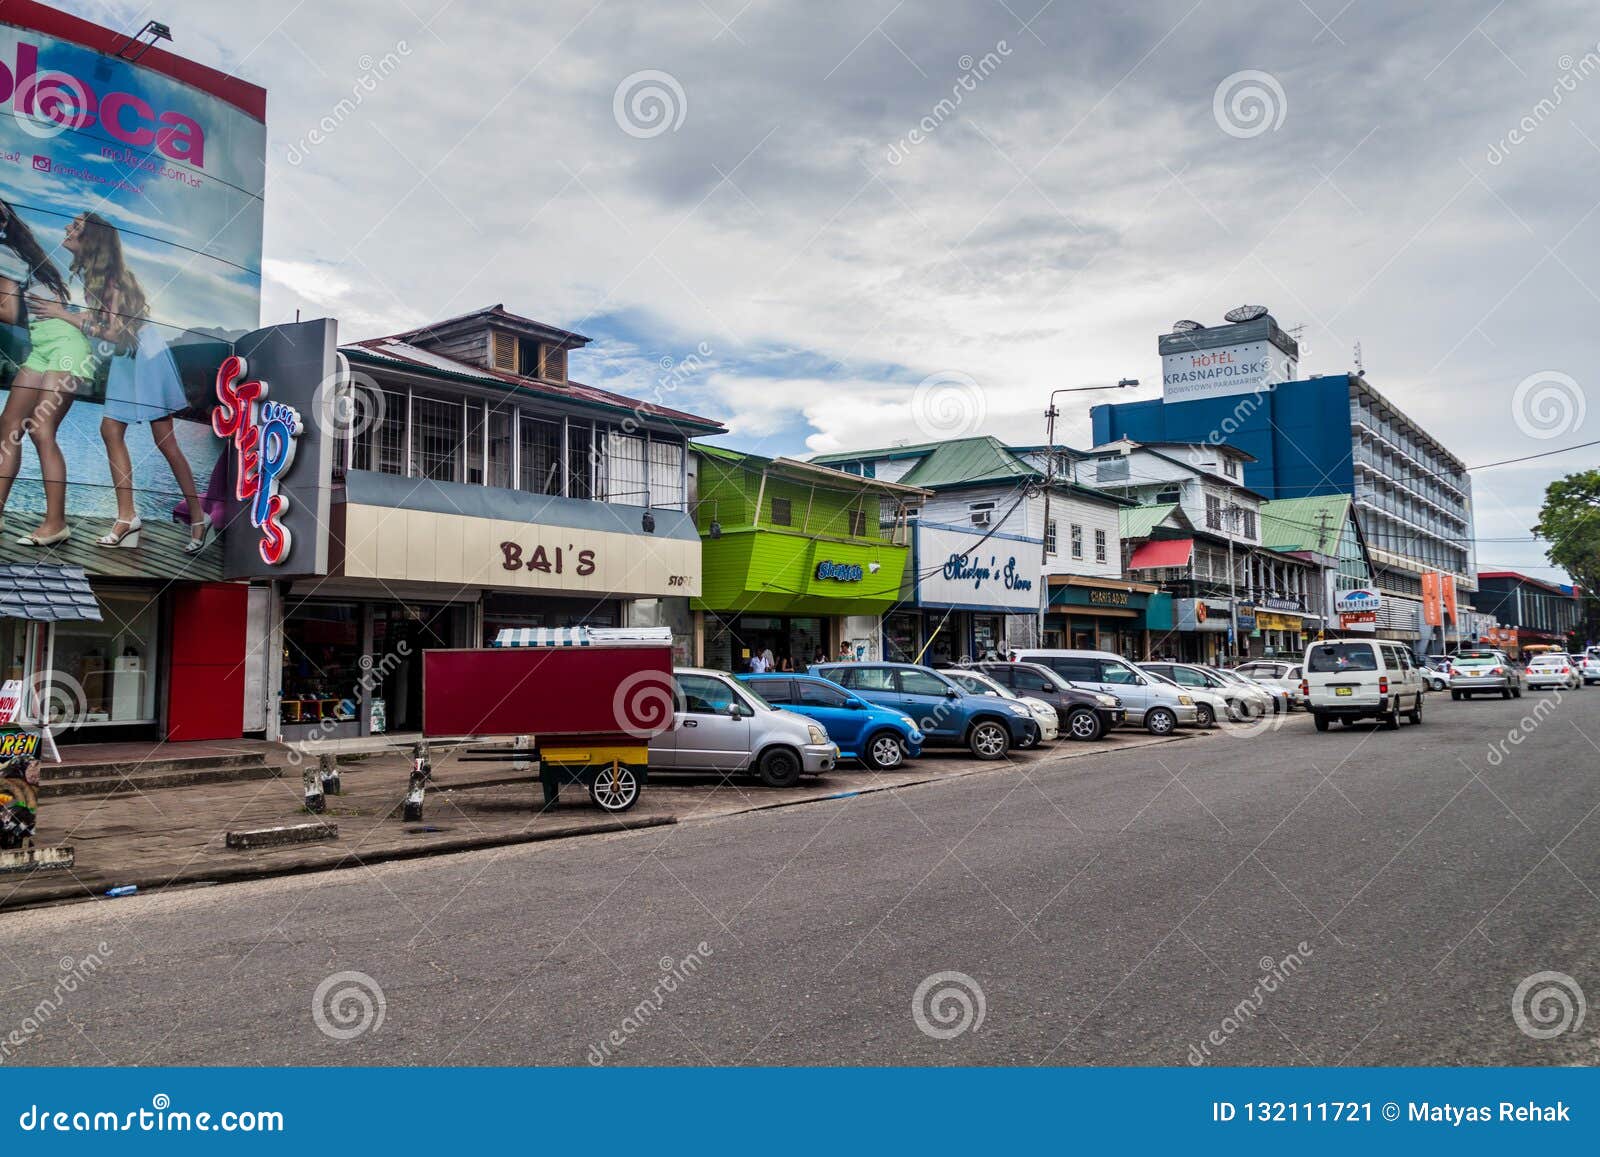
(982, 513)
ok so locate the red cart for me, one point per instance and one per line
(583, 702)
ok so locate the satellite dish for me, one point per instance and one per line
(1245, 313)
(1186, 326)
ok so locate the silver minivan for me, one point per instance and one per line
(1157, 706)
(721, 725)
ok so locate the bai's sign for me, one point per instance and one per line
(264, 434)
(958, 570)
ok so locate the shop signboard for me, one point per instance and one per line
(1246, 616)
(1358, 609)
(956, 569)
(130, 254)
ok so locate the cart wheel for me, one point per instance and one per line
(614, 788)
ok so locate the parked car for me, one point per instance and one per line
(1553, 669)
(1436, 672)
(1277, 700)
(1210, 704)
(978, 683)
(1351, 679)
(1484, 672)
(946, 715)
(879, 737)
(1084, 714)
(723, 726)
(1151, 703)
(1239, 700)
(1589, 665)
(1282, 676)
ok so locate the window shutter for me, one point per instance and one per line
(554, 367)
(502, 351)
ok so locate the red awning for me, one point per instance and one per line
(1162, 552)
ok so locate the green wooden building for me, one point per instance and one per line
(796, 559)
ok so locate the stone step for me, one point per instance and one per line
(144, 779)
(54, 772)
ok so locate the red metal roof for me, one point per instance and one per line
(1162, 552)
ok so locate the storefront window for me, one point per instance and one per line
(673, 613)
(988, 636)
(112, 662)
(793, 641)
(900, 637)
(321, 664)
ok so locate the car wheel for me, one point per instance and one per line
(779, 767)
(1516, 692)
(989, 740)
(1320, 720)
(1456, 695)
(1028, 742)
(1160, 721)
(884, 751)
(615, 789)
(1204, 716)
(1391, 721)
(1084, 724)
(1415, 714)
(1506, 694)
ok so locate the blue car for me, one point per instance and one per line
(946, 715)
(879, 737)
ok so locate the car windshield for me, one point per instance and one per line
(1337, 658)
(1050, 675)
(1227, 676)
(976, 684)
(1160, 678)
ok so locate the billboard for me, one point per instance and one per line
(130, 257)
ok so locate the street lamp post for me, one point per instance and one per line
(1050, 416)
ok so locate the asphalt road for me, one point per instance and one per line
(1360, 897)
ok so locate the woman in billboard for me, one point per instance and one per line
(142, 381)
(46, 380)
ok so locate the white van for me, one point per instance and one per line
(1351, 679)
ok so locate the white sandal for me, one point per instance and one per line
(129, 537)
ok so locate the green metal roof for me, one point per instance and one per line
(959, 462)
(1141, 521)
(1305, 524)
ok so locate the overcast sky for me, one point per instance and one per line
(757, 199)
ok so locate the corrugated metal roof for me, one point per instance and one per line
(967, 461)
(1305, 524)
(1141, 521)
(46, 593)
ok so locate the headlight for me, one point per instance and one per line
(1106, 700)
(817, 734)
(1185, 701)
(1019, 709)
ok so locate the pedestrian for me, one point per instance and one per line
(845, 653)
(757, 667)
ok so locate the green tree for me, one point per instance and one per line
(1570, 521)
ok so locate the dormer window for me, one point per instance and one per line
(1230, 467)
(532, 359)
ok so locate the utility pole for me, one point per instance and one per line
(1050, 416)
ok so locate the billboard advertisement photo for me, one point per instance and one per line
(131, 188)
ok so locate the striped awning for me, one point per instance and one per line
(584, 637)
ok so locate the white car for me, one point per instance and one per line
(977, 683)
(1589, 665)
(1210, 704)
(1552, 670)
(1151, 703)
(1277, 700)
(1278, 675)
(1240, 699)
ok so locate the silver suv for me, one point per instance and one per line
(1157, 706)
(1484, 672)
(722, 725)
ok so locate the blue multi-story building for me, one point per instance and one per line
(1238, 385)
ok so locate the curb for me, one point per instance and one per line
(263, 869)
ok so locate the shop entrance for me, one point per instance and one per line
(793, 642)
(399, 636)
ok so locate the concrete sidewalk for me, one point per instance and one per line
(175, 837)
